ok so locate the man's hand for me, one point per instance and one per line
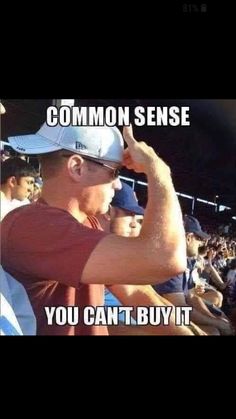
(199, 290)
(140, 157)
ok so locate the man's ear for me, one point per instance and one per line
(75, 166)
(12, 182)
(189, 237)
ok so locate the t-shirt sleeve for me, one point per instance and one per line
(173, 285)
(47, 244)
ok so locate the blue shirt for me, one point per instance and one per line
(180, 283)
(112, 301)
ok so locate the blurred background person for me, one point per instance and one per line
(17, 182)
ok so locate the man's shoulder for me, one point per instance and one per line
(46, 223)
(36, 211)
(37, 218)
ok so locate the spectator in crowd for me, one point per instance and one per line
(65, 259)
(210, 268)
(17, 182)
(36, 193)
(180, 290)
(230, 288)
(125, 219)
(207, 271)
(125, 213)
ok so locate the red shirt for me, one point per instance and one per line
(46, 249)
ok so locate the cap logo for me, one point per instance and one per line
(80, 146)
(20, 148)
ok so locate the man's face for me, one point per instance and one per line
(193, 243)
(135, 230)
(99, 187)
(125, 223)
(23, 188)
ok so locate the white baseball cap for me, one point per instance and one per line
(103, 143)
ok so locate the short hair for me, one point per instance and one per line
(16, 167)
(51, 163)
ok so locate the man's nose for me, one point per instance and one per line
(133, 224)
(30, 188)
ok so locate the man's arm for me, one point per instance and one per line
(146, 296)
(160, 251)
(215, 277)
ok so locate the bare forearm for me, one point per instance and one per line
(163, 221)
(146, 296)
(138, 295)
(215, 277)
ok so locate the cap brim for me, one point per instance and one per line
(137, 210)
(202, 235)
(32, 144)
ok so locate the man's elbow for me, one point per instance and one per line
(175, 265)
(179, 264)
(178, 259)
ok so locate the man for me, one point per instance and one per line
(17, 182)
(125, 219)
(180, 291)
(126, 215)
(64, 259)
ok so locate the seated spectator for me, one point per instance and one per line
(17, 181)
(180, 290)
(230, 290)
(207, 272)
(125, 219)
